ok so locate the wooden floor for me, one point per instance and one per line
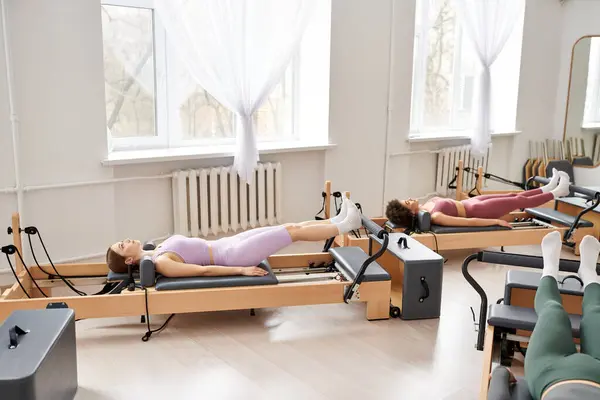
(318, 352)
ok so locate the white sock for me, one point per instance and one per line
(342, 215)
(553, 182)
(352, 221)
(551, 246)
(562, 189)
(589, 250)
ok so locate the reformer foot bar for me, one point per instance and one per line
(345, 276)
(503, 327)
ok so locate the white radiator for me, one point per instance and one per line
(214, 200)
(447, 162)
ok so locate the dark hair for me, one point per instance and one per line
(398, 214)
(116, 262)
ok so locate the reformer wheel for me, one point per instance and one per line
(394, 312)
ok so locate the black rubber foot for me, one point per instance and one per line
(252, 312)
(394, 312)
(143, 319)
(502, 248)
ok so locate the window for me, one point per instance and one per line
(591, 114)
(446, 72)
(152, 101)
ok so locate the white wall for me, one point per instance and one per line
(57, 59)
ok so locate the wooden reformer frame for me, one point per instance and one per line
(376, 295)
(457, 241)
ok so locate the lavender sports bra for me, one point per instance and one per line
(190, 250)
(445, 206)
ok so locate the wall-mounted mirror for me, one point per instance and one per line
(581, 138)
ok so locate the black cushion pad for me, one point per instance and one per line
(350, 259)
(513, 317)
(440, 229)
(206, 282)
(466, 229)
(517, 279)
(550, 214)
(117, 277)
(391, 226)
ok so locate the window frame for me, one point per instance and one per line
(165, 137)
(457, 89)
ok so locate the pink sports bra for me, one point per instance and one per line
(190, 250)
(445, 206)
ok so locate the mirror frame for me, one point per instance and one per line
(570, 79)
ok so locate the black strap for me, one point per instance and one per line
(577, 278)
(14, 334)
(426, 287)
(323, 194)
(403, 242)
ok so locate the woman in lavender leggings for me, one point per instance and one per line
(486, 210)
(181, 256)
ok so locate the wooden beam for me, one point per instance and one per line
(459, 180)
(88, 269)
(479, 181)
(488, 348)
(327, 199)
(214, 299)
(16, 232)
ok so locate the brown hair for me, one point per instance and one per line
(116, 262)
(398, 214)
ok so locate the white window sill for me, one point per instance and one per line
(450, 135)
(590, 126)
(116, 158)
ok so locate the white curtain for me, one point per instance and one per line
(237, 50)
(489, 24)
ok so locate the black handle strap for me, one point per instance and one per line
(426, 287)
(14, 334)
(403, 242)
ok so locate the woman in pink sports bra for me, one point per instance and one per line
(181, 256)
(485, 210)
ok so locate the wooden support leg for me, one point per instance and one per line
(487, 362)
(378, 309)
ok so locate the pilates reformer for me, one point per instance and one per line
(503, 328)
(333, 276)
(529, 226)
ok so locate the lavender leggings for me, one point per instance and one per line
(250, 247)
(497, 205)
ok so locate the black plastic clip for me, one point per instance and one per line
(403, 242)
(14, 334)
(8, 250)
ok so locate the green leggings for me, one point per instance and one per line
(551, 355)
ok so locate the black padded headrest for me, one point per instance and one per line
(423, 223)
(149, 246)
(583, 161)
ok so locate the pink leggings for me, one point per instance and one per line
(250, 247)
(493, 206)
